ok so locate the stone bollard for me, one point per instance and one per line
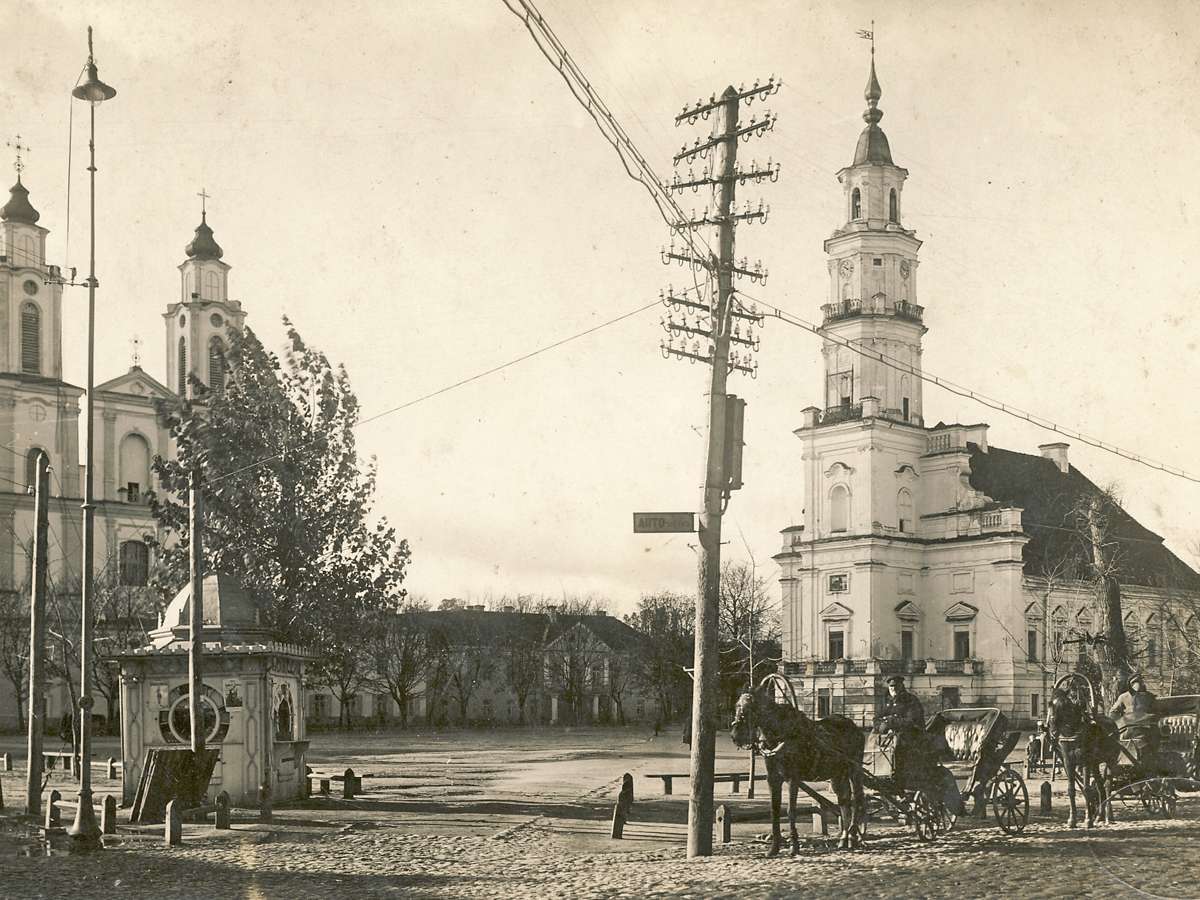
(53, 816)
(265, 812)
(1, 793)
(173, 827)
(108, 815)
(7, 760)
(624, 804)
(111, 774)
(71, 764)
(348, 785)
(325, 789)
(820, 825)
(1047, 802)
(724, 823)
(221, 814)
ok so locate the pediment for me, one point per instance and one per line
(839, 468)
(836, 612)
(906, 471)
(1033, 612)
(961, 612)
(135, 383)
(907, 611)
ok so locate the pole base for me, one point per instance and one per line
(85, 832)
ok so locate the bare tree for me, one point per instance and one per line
(521, 654)
(399, 651)
(748, 624)
(666, 623)
(14, 647)
(575, 663)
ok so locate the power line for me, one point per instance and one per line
(971, 394)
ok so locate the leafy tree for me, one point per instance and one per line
(667, 621)
(287, 503)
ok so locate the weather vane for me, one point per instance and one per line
(869, 36)
(136, 343)
(204, 197)
(16, 145)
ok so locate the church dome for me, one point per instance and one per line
(203, 246)
(227, 610)
(18, 208)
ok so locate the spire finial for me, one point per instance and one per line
(204, 197)
(872, 115)
(135, 343)
(19, 148)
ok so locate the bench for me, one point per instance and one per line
(351, 783)
(736, 778)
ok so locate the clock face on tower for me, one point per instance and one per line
(847, 267)
(31, 287)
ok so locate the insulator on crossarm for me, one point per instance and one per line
(665, 259)
(774, 176)
(663, 348)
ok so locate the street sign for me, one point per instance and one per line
(664, 523)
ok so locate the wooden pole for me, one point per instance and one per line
(707, 674)
(37, 639)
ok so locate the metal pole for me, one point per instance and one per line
(86, 830)
(196, 621)
(37, 640)
(705, 688)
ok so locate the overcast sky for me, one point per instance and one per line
(413, 185)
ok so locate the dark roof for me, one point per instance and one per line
(540, 627)
(203, 245)
(18, 208)
(1050, 500)
(872, 146)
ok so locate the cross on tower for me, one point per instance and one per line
(136, 343)
(204, 196)
(20, 148)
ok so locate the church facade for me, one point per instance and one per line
(39, 411)
(924, 550)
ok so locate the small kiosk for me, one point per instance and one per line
(252, 707)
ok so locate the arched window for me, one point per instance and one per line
(212, 287)
(135, 467)
(182, 368)
(855, 204)
(31, 339)
(29, 255)
(839, 508)
(893, 207)
(31, 468)
(904, 510)
(134, 564)
(216, 364)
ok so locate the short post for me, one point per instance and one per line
(325, 789)
(621, 810)
(737, 783)
(221, 815)
(1046, 799)
(7, 760)
(1, 793)
(820, 825)
(264, 803)
(348, 785)
(108, 815)
(724, 823)
(111, 773)
(666, 785)
(53, 817)
(173, 827)
(71, 760)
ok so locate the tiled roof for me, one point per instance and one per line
(537, 627)
(1049, 497)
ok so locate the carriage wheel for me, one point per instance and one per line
(1010, 801)
(1158, 797)
(924, 816)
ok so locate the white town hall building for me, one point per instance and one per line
(925, 550)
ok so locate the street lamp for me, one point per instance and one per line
(85, 832)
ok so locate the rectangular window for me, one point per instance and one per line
(837, 645)
(1032, 646)
(951, 699)
(1035, 705)
(133, 492)
(839, 584)
(906, 644)
(904, 408)
(824, 703)
(962, 644)
(876, 261)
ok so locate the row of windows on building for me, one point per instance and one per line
(961, 643)
(839, 509)
(216, 364)
(856, 211)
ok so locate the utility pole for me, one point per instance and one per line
(196, 620)
(37, 638)
(720, 322)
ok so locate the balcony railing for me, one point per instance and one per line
(835, 414)
(825, 667)
(910, 311)
(856, 667)
(849, 309)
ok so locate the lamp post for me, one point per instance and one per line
(85, 832)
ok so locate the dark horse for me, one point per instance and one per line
(795, 749)
(1089, 745)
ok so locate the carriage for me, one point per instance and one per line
(961, 756)
(1041, 757)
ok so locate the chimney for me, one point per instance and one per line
(1058, 454)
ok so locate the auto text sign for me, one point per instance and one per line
(664, 522)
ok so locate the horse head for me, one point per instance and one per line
(746, 716)
(1065, 716)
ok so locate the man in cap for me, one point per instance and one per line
(1134, 714)
(903, 718)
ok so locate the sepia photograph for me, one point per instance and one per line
(574, 449)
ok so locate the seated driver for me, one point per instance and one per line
(1134, 711)
(903, 717)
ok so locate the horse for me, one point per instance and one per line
(795, 748)
(1085, 742)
